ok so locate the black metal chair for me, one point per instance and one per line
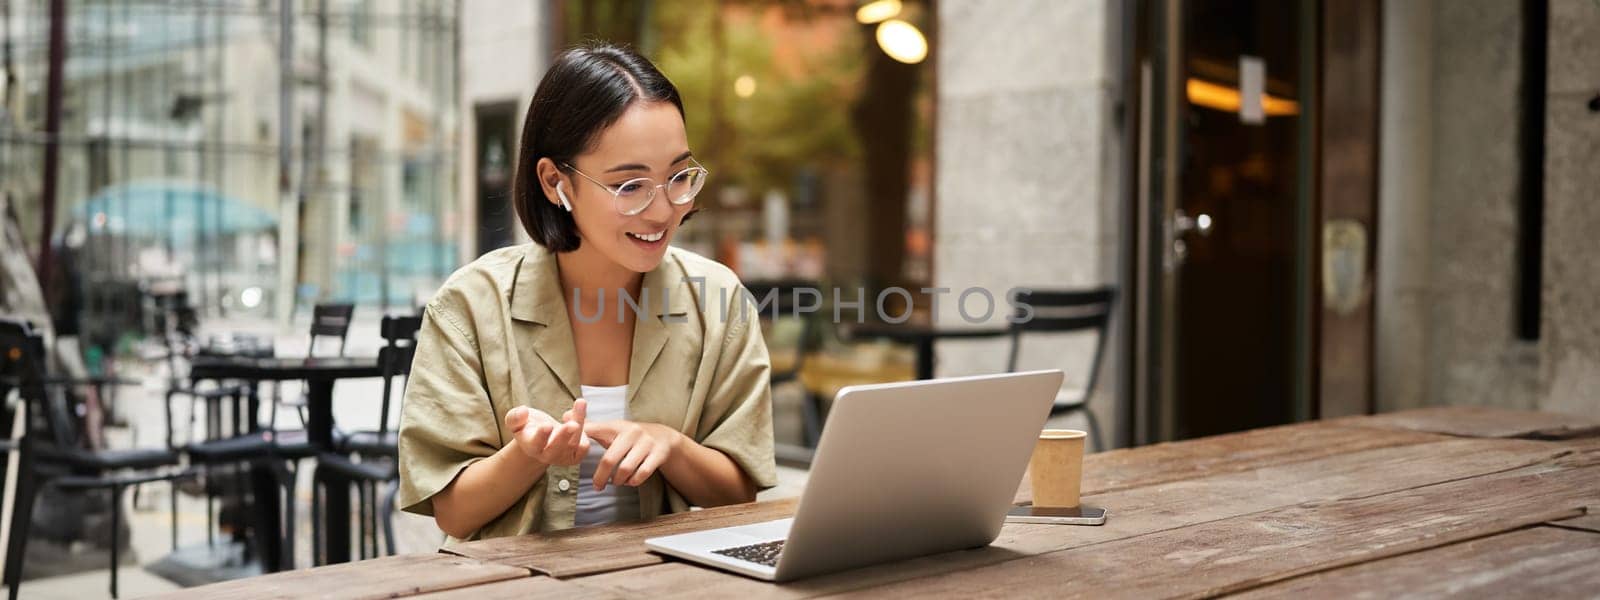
(400, 339)
(224, 462)
(327, 321)
(227, 447)
(223, 459)
(178, 330)
(1065, 311)
(330, 320)
(369, 458)
(51, 450)
(784, 301)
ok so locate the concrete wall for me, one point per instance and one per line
(1447, 271)
(1473, 354)
(1570, 353)
(1022, 193)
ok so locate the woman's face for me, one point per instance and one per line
(648, 141)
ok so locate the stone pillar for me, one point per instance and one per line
(1021, 176)
(1473, 356)
(1570, 353)
(1404, 197)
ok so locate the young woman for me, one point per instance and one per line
(596, 374)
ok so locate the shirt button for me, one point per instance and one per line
(564, 485)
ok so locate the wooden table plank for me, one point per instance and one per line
(1583, 444)
(1540, 562)
(388, 577)
(522, 589)
(1142, 511)
(1230, 555)
(574, 552)
(1588, 522)
(1234, 452)
(1480, 421)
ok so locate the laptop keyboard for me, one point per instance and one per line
(765, 553)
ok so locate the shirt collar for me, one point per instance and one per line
(665, 296)
(537, 295)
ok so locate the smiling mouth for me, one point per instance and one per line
(648, 237)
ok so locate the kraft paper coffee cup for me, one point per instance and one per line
(1056, 469)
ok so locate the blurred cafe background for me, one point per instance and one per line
(1235, 213)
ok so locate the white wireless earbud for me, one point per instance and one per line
(563, 196)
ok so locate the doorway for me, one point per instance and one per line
(1226, 195)
(496, 128)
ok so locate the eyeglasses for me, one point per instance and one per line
(635, 195)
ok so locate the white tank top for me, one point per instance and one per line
(616, 502)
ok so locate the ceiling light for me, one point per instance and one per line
(902, 41)
(878, 11)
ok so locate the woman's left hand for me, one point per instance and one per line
(633, 450)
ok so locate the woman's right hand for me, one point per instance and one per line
(542, 438)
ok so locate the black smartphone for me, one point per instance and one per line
(1078, 515)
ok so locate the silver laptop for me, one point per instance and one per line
(902, 470)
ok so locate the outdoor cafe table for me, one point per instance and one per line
(319, 374)
(1434, 502)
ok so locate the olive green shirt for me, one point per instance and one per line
(497, 336)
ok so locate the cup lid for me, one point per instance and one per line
(1061, 434)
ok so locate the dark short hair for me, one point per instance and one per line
(586, 90)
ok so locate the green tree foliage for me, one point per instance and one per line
(796, 120)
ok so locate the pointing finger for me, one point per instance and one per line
(602, 432)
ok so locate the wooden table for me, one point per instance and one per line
(1476, 502)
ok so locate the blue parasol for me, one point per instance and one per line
(158, 209)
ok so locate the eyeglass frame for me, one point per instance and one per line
(616, 194)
